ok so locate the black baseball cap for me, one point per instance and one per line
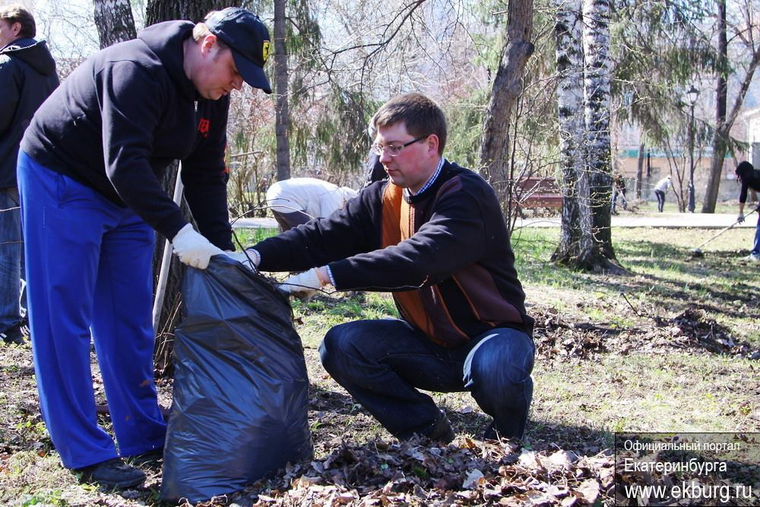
(248, 39)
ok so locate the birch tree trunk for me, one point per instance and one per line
(282, 116)
(576, 221)
(583, 100)
(507, 86)
(114, 21)
(596, 45)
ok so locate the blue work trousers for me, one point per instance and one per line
(383, 363)
(10, 259)
(89, 276)
(756, 245)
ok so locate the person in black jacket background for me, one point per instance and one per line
(749, 178)
(89, 171)
(27, 77)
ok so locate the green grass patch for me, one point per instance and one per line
(647, 392)
(662, 277)
(250, 236)
(578, 402)
(318, 315)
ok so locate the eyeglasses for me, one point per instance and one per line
(393, 149)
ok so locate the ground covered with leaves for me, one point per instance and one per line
(673, 346)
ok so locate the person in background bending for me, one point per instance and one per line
(660, 189)
(295, 201)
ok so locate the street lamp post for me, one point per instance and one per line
(692, 96)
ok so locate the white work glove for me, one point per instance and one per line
(193, 249)
(302, 285)
(740, 218)
(249, 258)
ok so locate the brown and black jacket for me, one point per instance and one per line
(444, 253)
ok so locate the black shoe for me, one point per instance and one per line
(147, 458)
(113, 473)
(441, 430)
(14, 335)
(492, 433)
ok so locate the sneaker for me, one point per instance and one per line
(752, 258)
(441, 430)
(147, 458)
(113, 473)
(14, 335)
(491, 433)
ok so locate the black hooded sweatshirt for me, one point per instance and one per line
(27, 77)
(750, 179)
(123, 116)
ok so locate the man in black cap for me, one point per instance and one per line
(89, 172)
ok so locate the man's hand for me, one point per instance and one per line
(193, 249)
(249, 258)
(303, 285)
(740, 218)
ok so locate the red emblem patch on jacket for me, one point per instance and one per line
(204, 126)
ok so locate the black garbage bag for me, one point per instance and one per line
(240, 386)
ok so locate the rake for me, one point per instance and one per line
(697, 252)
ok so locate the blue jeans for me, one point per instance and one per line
(756, 246)
(383, 363)
(660, 199)
(10, 258)
(618, 194)
(289, 220)
(89, 279)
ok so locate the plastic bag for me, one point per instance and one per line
(240, 387)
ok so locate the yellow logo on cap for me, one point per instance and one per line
(265, 51)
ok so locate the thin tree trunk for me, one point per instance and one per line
(114, 21)
(507, 86)
(282, 120)
(720, 137)
(639, 172)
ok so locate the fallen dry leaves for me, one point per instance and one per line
(418, 472)
(691, 330)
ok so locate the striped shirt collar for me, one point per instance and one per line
(408, 193)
